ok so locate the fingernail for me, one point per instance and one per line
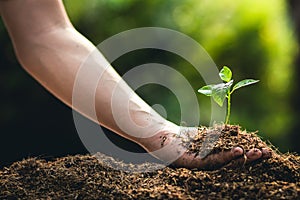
(237, 152)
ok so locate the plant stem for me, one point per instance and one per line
(228, 107)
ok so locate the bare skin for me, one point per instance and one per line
(52, 51)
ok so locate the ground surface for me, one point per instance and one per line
(86, 177)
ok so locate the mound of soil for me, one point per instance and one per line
(94, 177)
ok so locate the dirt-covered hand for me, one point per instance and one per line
(207, 148)
(235, 157)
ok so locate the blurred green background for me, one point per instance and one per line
(255, 38)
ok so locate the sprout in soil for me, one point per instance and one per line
(222, 90)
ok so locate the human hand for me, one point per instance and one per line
(168, 146)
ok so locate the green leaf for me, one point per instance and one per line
(206, 90)
(244, 83)
(219, 92)
(225, 74)
(219, 97)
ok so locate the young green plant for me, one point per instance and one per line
(219, 92)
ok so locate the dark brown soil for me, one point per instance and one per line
(86, 177)
(224, 137)
(221, 138)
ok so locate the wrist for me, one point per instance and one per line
(160, 138)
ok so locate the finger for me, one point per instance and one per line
(253, 154)
(266, 153)
(220, 159)
(249, 157)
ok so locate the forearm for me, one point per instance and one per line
(52, 51)
(55, 65)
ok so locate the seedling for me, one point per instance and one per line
(221, 91)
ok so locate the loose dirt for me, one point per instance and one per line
(86, 177)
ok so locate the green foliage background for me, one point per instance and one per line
(254, 38)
